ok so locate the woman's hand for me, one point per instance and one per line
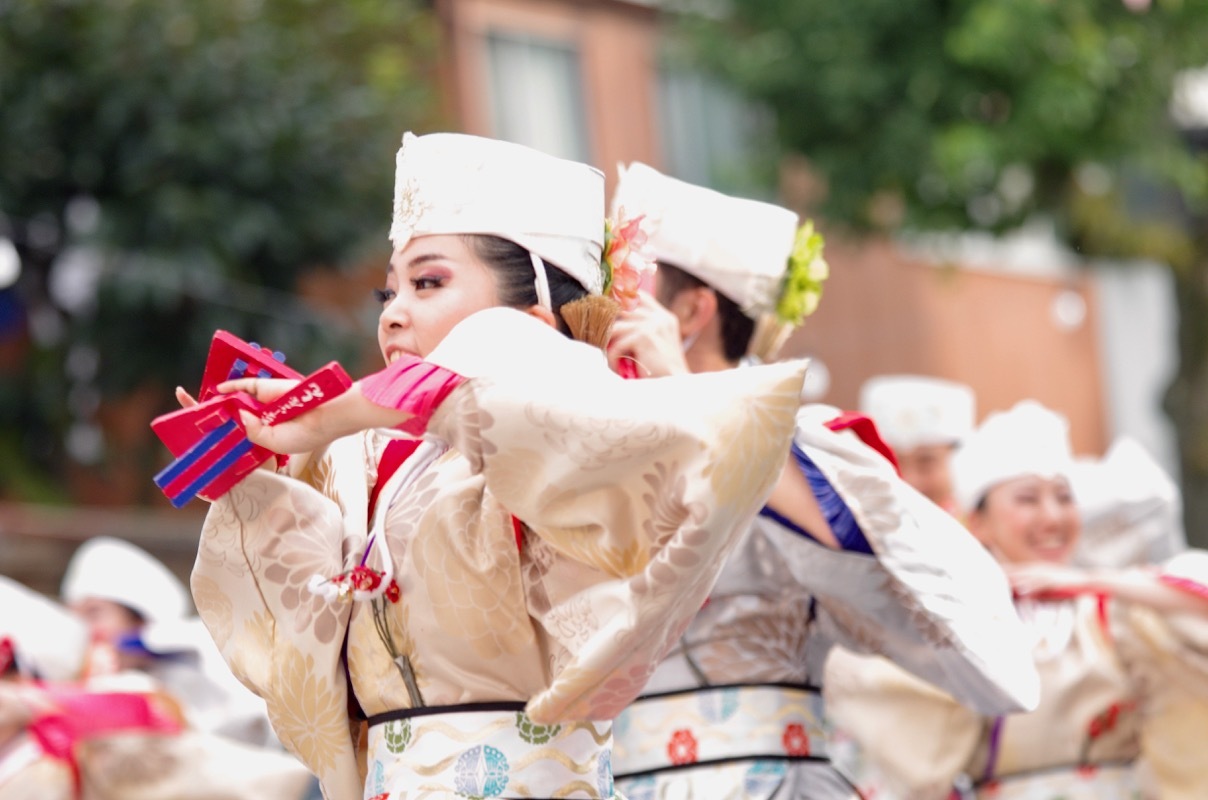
(266, 390)
(343, 415)
(269, 389)
(649, 335)
(185, 399)
(1042, 580)
(1141, 586)
(304, 433)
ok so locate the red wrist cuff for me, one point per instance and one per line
(413, 385)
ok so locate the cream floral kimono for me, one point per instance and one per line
(630, 495)
(1117, 682)
(735, 710)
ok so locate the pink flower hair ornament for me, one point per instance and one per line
(626, 264)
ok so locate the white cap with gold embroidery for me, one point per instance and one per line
(451, 183)
(116, 570)
(916, 410)
(1029, 439)
(739, 247)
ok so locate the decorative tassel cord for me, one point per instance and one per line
(381, 621)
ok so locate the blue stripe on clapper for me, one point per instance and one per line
(190, 456)
(220, 466)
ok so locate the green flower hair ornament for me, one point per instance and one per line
(802, 287)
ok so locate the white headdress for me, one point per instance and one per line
(1131, 508)
(739, 247)
(50, 642)
(1029, 439)
(113, 569)
(915, 410)
(447, 183)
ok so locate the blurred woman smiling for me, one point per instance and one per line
(1122, 653)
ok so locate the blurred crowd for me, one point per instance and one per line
(116, 690)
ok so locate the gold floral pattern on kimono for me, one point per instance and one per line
(310, 715)
(607, 573)
(218, 610)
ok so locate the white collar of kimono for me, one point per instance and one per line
(377, 549)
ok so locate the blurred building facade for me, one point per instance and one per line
(1015, 318)
(598, 81)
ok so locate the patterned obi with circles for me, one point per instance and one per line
(486, 750)
(722, 724)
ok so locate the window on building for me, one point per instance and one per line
(537, 95)
(712, 136)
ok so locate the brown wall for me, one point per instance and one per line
(37, 541)
(617, 44)
(882, 312)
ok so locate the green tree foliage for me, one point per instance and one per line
(981, 113)
(973, 112)
(193, 159)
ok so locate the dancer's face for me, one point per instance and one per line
(927, 468)
(1028, 519)
(107, 621)
(433, 283)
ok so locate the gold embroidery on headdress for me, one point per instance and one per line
(409, 208)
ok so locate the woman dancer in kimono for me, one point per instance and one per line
(486, 593)
(845, 552)
(1122, 653)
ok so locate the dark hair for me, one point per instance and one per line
(513, 268)
(138, 616)
(736, 327)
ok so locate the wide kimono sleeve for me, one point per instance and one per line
(1167, 657)
(928, 597)
(260, 544)
(917, 739)
(649, 482)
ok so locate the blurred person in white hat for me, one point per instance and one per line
(463, 554)
(844, 552)
(117, 588)
(46, 640)
(1131, 509)
(1120, 652)
(42, 645)
(64, 738)
(924, 420)
(145, 637)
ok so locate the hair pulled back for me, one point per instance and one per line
(578, 313)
